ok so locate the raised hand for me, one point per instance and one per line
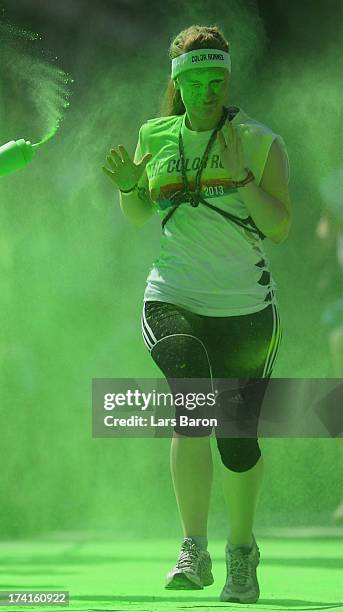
(123, 172)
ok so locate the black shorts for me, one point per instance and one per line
(235, 355)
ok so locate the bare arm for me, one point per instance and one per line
(125, 175)
(138, 206)
(269, 203)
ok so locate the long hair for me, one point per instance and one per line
(194, 37)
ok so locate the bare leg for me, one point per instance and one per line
(336, 350)
(241, 490)
(192, 470)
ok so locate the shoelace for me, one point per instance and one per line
(239, 566)
(189, 553)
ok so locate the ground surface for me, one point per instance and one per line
(299, 570)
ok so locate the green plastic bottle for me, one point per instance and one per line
(14, 155)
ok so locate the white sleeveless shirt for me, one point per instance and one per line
(207, 263)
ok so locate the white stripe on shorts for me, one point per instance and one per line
(148, 335)
(274, 341)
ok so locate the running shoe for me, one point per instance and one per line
(338, 514)
(192, 570)
(241, 584)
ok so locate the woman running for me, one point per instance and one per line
(218, 179)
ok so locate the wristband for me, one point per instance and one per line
(128, 190)
(249, 177)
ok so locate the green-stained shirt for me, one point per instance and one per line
(207, 263)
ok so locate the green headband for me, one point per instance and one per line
(200, 58)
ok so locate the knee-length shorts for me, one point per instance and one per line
(235, 357)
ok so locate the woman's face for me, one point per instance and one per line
(202, 86)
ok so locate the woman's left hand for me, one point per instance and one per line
(231, 151)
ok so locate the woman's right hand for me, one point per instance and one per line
(123, 172)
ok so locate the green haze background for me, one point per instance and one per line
(73, 272)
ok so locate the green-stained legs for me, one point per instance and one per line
(241, 491)
(336, 350)
(192, 470)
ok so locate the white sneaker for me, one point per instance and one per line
(338, 514)
(241, 584)
(192, 570)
